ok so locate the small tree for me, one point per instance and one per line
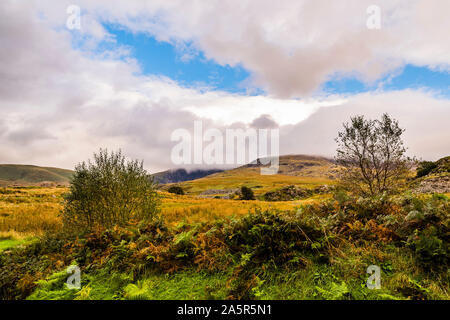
(176, 190)
(110, 191)
(373, 155)
(247, 193)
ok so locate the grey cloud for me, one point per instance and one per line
(25, 136)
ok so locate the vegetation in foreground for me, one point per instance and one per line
(320, 251)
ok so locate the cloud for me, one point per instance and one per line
(423, 116)
(59, 103)
(61, 100)
(291, 47)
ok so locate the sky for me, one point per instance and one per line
(136, 71)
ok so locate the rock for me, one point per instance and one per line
(322, 189)
(218, 191)
(440, 184)
(287, 194)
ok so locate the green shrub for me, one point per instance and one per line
(427, 230)
(266, 241)
(108, 192)
(431, 251)
(247, 193)
(274, 238)
(176, 190)
(53, 288)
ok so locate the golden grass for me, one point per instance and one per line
(30, 211)
(190, 209)
(12, 235)
(33, 211)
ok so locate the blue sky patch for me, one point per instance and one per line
(165, 59)
(410, 77)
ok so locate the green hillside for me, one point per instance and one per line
(15, 174)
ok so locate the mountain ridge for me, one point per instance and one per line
(31, 175)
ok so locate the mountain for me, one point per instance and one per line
(28, 175)
(179, 175)
(300, 170)
(302, 165)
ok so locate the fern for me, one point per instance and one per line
(139, 291)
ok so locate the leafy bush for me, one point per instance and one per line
(108, 192)
(21, 267)
(247, 193)
(272, 237)
(176, 190)
(265, 241)
(420, 223)
(430, 250)
(336, 291)
(426, 228)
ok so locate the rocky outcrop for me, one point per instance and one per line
(323, 189)
(220, 193)
(287, 194)
(433, 177)
(439, 184)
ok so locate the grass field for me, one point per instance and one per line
(32, 211)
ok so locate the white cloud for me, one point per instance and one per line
(424, 117)
(292, 46)
(59, 104)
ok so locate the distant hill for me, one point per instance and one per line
(294, 169)
(301, 170)
(180, 175)
(28, 175)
